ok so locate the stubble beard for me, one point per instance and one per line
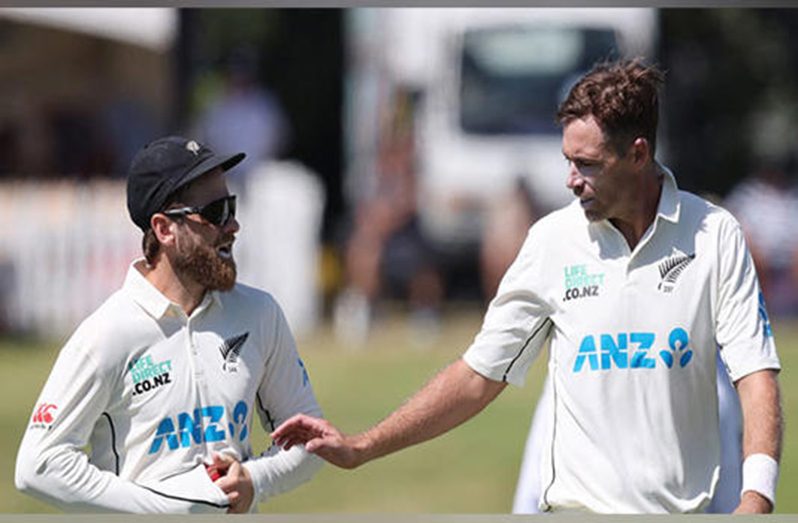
(200, 262)
(593, 216)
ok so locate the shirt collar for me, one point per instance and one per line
(669, 204)
(210, 298)
(143, 292)
(152, 300)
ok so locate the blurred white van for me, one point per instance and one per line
(488, 82)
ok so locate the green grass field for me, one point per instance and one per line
(473, 469)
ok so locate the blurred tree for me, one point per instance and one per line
(731, 87)
(300, 59)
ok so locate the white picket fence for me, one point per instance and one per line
(66, 246)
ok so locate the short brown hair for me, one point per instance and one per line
(623, 98)
(150, 245)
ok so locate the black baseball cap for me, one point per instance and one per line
(162, 167)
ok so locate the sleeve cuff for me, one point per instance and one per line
(257, 482)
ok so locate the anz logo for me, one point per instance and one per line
(203, 424)
(632, 350)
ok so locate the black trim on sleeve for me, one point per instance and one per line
(188, 500)
(113, 442)
(269, 418)
(546, 323)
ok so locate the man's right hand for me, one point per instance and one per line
(234, 481)
(454, 395)
(321, 438)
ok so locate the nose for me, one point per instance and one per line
(574, 180)
(232, 226)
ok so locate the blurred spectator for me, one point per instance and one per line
(128, 123)
(507, 222)
(279, 248)
(387, 254)
(283, 199)
(766, 204)
(245, 116)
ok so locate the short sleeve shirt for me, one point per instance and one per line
(634, 335)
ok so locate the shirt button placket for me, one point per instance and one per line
(194, 351)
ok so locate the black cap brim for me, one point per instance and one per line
(208, 165)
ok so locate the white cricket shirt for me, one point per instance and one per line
(155, 393)
(634, 336)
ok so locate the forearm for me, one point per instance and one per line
(65, 478)
(762, 418)
(453, 396)
(278, 471)
(762, 439)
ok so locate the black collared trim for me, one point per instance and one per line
(189, 500)
(546, 323)
(113, 442)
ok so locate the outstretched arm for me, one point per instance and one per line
(762, 431)
(453, 396)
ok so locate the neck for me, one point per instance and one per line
(642, 206)
(183, 291)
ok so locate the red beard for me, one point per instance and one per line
(202, 263)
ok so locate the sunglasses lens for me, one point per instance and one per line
(220, 211)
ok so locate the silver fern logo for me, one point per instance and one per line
(193, 146)
(671, 269)
(230, 350)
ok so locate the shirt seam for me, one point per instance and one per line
(180, 498)
(553, 439)
(523, 348)
(113, 442)
(266, 412)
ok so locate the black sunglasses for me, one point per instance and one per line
(218, 212)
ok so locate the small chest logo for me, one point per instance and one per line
(579, 283)
(43, 416)
(671, 269)
(230, 350)
(148, 375)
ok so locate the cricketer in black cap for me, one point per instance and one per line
(177, 195)
(181, 336)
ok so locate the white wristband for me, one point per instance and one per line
(760, 474)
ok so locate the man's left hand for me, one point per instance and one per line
(235, 482)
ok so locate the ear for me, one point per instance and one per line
(164, 229)
(641, 151)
